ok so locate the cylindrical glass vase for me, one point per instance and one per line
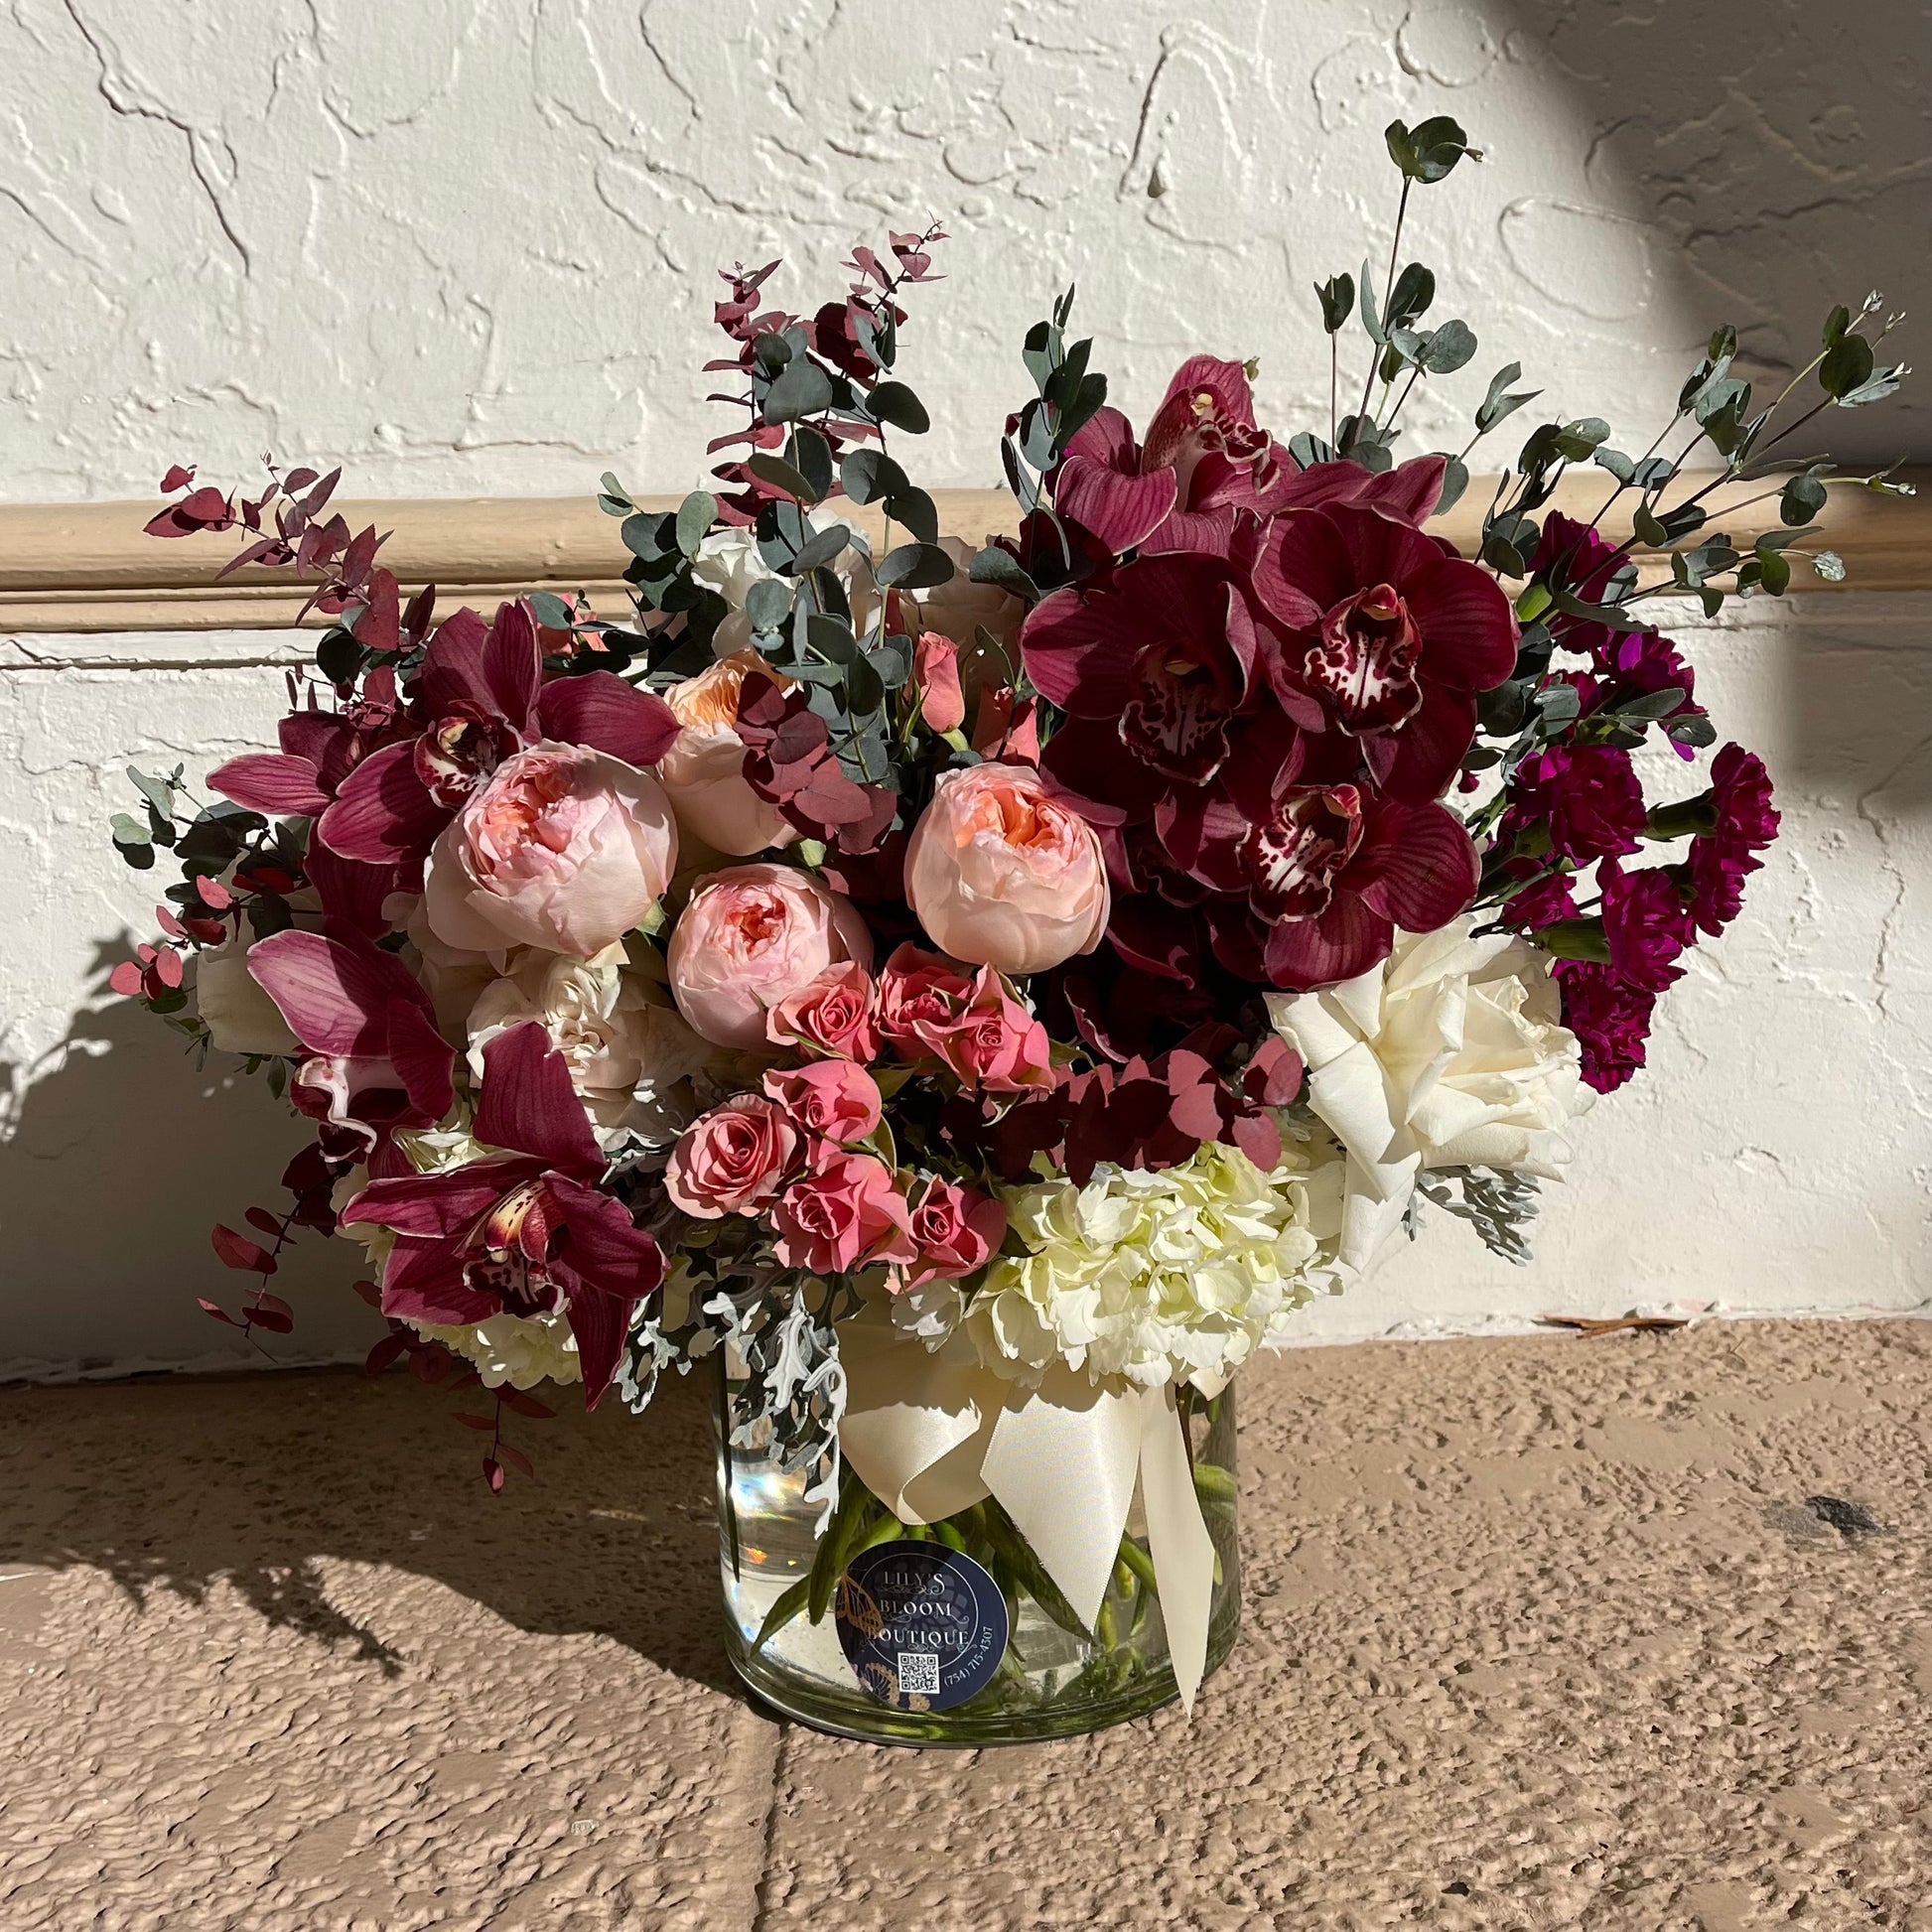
(1053, 1678)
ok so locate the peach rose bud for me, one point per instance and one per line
(935, 670)
(1001, 874)
(704, 771)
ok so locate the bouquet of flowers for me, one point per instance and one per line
(975, 995)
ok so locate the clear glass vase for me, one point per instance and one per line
(1053, 1678)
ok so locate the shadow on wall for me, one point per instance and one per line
(271, 1486)
(1776, 159)
(1769, 159)
(118, 1156)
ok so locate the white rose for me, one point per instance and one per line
(729, 563)
(240, 1018)
(625, 1044)
(1449, 1053)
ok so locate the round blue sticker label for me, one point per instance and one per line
(923, 1627)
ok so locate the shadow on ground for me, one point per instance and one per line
(259, 1483)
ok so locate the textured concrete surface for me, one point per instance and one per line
(1780, 1144)
(1540, 1633)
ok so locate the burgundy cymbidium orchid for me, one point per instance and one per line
(478, 697)
(523, 1231)
(1267, 748)
(1393, 631)
(372, 1058)
(1178, 489)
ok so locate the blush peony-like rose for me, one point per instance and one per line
(751, 936)
(704, 771)
(1001, 874)
(565, 848)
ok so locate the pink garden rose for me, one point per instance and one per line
(955, 1230)
(846, 1214)
(565, 848)
(831, 1013)
(920, 994)
(751, 936)
(832, 1098)
(704, 771)
(733, 1159)
(1001, 874)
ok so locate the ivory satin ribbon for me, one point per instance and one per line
(931, 1433)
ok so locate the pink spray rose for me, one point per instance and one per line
(832, 1098)
(565, 848)
(832, 1013)
(935, 670)
(1001, 874)
(751, 936)
(846, 1214)
(704, 771)
(921, 994)
(733, 1159)
(995, 1044)
(955, 1229)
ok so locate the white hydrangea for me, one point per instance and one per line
(1180, 1275)
(520, 1349)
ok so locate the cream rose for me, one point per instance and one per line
(624, 1044)
(1003, 876)
(704, 771)
(565, 848)
(959, 608)
(1449, 1053)
(239, 1016)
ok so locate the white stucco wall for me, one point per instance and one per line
(468, 246)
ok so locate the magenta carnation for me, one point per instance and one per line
(1645, 924)
(1722, 859)
(1586, 794)
(1611, 1021)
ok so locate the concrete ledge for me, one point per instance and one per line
(87, 567)
(1539, 1633)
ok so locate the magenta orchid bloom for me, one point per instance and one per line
(1205, 472)
(1393, 633)
(525, 1231)
(1177, 491)
(1157, 663)
(373, 1060)
(320, 750)
(479, 696)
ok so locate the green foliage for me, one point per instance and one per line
(1428, 151)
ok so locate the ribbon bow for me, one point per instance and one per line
(933, 1432)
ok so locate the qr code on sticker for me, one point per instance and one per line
(918, 1674)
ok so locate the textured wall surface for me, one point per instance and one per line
(467, 245)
